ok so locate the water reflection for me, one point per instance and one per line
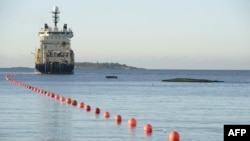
(55, 121)
(132, 133)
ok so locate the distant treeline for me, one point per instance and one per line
(97, 65)
(90, 65)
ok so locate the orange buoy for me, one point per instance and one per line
(118, 119)
(68, 100)
(106, 115)
(174, 136)
(97, 111)
(87, 108)
(52, 95)
(132, 122)
(148, 129)
(57, 97)
(41, 91)
(38, 90)
(62, 98)
(74, 102)
(48, 94)
(81, 105)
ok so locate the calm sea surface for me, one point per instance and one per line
(197, 111)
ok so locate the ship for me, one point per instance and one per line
(54, 56)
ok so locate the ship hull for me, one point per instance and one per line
(55, 68)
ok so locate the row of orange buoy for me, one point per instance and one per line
(132, 122)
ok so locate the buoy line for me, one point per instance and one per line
(132, 122)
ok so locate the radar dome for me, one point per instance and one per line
(55, 9)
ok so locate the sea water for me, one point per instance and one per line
(197, 111)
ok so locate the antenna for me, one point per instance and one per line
(55, 12)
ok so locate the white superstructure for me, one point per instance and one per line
(54, 54)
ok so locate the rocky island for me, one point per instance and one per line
(190, 80)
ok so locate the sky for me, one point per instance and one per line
(152, 34)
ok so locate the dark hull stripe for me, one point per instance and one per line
(55, 68)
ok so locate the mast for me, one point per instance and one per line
(55, 12)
